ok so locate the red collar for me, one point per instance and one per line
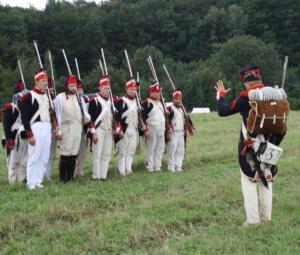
(258, 86)
(244, 93)
(38, 91)
(177, 106)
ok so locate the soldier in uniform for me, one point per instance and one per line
(71, 115)
(127, 116)
(35, 115)
(101, 129)
(257, 197)
(154, 118)
(176, 146)
(15, 137)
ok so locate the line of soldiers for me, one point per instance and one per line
(31, 135)
(31, 138)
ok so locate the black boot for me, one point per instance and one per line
(63, 166)
(71, 167)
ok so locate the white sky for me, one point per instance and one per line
(38, 4)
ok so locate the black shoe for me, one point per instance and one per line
(63, 166)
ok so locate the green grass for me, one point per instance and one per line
(198, 211)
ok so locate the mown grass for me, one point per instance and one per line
(198, 211)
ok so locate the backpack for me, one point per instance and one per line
(269, 111)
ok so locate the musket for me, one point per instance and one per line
(166, 112)
(139, 87)
(77, 68)
(142, 125)
(101, 67)
(76, 92)
(21, 73)
(52, 112)
(113, 109)
(52, 73)
(188, 120)
(286, 59)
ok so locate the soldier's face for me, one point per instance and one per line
(104, 91)
(42, 84)
(131, 92)
(177, 102)
(72, 87)
(155, 95)
(248, 85)
(80, 91)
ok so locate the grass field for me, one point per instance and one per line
(198, 211)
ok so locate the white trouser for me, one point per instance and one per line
(155, 145)
(38, 154)
(102, 153)
(17, 162)
(126, 150)
(50, 163)
(257, 200)
(175, 149)
(84, 143)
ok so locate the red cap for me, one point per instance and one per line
(79, 84)
(131, 84)
(104, 82)
(154, 88)
(41, 75)
(177, 95)
(251, 73)
(50, 83)
(71, 80)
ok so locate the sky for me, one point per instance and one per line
(38, 4)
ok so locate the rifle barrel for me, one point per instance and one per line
(284, 71)
(67, 62)
(21, 72)
(77, 68)
(38, 53)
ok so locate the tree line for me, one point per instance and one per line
(200, 41)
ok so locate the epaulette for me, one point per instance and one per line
(9, 106)
(26, 96)
(244, 93)
(117, 99)
(91, 99)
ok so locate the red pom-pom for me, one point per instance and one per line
(9, 106)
